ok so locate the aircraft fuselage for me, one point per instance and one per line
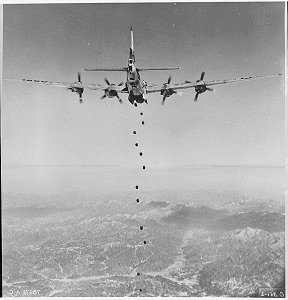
(135, 85)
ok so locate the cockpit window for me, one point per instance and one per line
(130, 61)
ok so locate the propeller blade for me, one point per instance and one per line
(196, 97)
(202, 76)
(104, 96)
(186, 81)
(80, 96)
(163, 100)
(210, 89)
(121, 83)
(106, 80)
(79, 76)
(120, 100)
(169, 79)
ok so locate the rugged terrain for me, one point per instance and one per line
(59, 246)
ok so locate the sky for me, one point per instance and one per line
(242, 123)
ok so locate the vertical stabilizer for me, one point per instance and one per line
(132, 45)
(131, 54)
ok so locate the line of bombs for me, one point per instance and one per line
(137, 187)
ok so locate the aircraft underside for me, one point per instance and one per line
(136, 98)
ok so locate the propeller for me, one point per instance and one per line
(201, 79)
(80, 90)
(77, 87)
(169, 79)
(120, 100)
(110, 90)
(202, 76)
(166, 91)
(201, 88)
(163, 100)
(108, 83)
(79, 77)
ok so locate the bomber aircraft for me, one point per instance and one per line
(137, 88)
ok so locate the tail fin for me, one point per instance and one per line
(131, 54)
(132, 46)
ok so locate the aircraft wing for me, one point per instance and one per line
(241, 79)
(43, 82)
(61, 84)
(188, 84)
(98, 87)
(180, 86)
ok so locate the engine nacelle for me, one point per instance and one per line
(167, 92)
(76, 90)
(200, 88)
(110, 93)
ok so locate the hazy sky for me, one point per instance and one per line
(238, 124)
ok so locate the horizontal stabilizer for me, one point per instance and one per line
(158, 69)
(118, 69)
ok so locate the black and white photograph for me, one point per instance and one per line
(143, 149)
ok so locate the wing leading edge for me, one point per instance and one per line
(188, 84)
(61, 84)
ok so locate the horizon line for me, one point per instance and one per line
(176, 166)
